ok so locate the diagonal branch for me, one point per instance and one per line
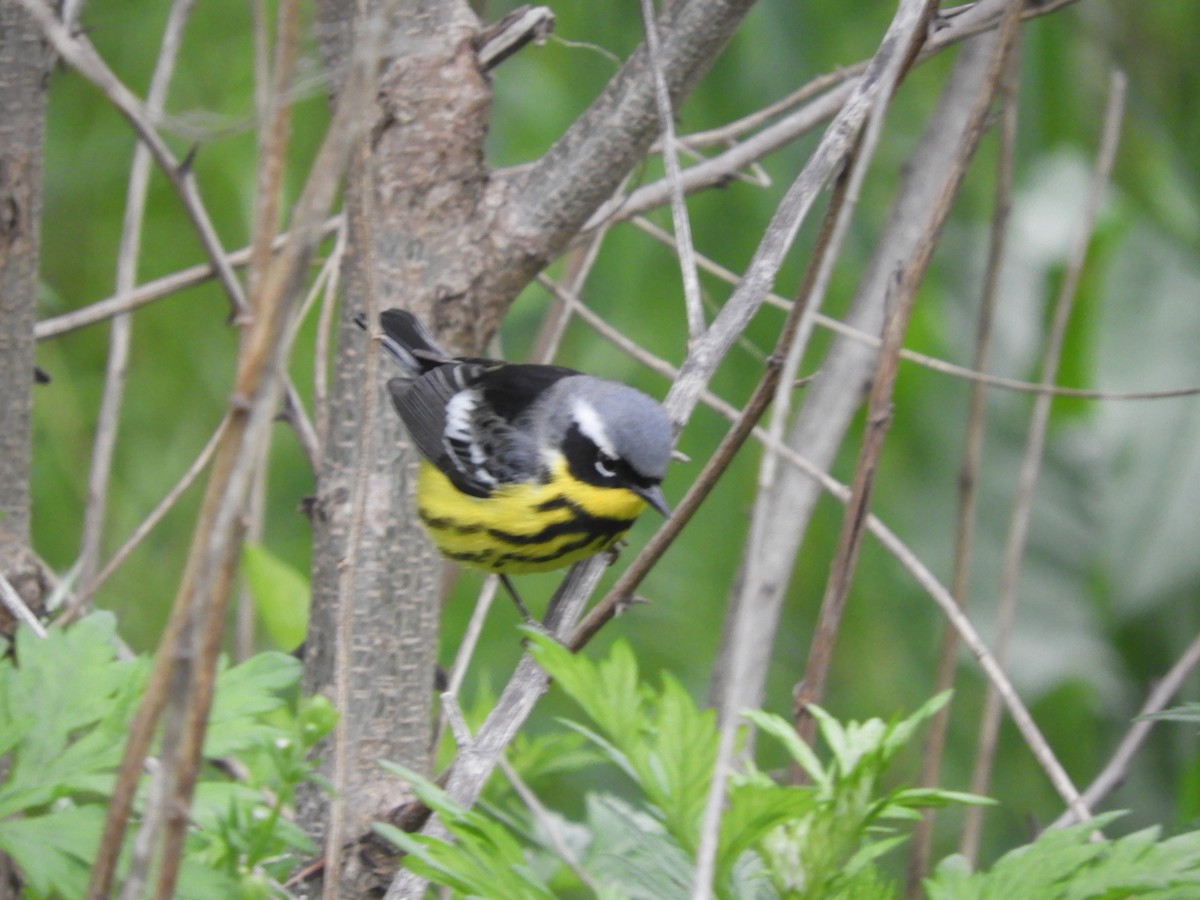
(79, 52)
(185, 665)
(1027, 478)
(705, 353)
(120, 335)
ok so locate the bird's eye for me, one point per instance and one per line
(606, 465)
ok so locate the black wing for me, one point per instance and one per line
(463, 417)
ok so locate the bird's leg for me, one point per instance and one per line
(530, 621)
(516, 598)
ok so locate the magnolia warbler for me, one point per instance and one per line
(526, 468)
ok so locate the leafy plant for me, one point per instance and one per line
(820, 840)
(281, 595)
(1069, 864)
(817, 840)
(65, 705)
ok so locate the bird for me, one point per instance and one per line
(526, 467)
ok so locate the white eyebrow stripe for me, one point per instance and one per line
(591, 426)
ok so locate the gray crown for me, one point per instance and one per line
(634, 426)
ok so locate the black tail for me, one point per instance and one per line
(407, 341)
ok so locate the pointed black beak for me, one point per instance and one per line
(654, 496)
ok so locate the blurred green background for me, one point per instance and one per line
(1112, 573)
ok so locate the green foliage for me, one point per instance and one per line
(818, 840)
(829, 851)
(1068, 865)
(485, 860)
(66, 702)
(1188, 712)
(281, 595)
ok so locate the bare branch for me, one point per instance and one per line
(121, 333)
(151, 291)
(554, 197)
(1014, 552)
(848, 330)
(1113, 774)
(679, 214)
(519, 28)
(964, 530)
(964, 23)
(80, 53)
(17, 607)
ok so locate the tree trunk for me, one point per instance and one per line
(24, 68)
(413, 213)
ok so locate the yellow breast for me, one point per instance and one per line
(524, 527)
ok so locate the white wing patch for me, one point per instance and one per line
(460, 439)
(591, 426)
(458, 415)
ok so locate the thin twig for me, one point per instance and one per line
(193, 631)
(470, 638)
(75, 608)
(837, 326)
(731, 131)
(716, 170)
(17, 607)
(679, 214)
(964, 529)
(1113, 774)
(151, 291)
(274, 114)
(578, 265)
(550, 829)
(297, 417)
(120, 335)
(466, 650)
(456, 720)
(1027, 477)
(77, 51)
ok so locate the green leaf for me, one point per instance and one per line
(549, 754)
(680, 760)
(1066, 864)
(632, 853)
(63, 712)
(281, 596)
(243, 695)
(484, 859)
(754, 808)
(1188, 712)
(54, 852)
(781, 729)
(607, 692)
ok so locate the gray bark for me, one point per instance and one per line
(24, 68)
(412, 206)
(432, 229)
